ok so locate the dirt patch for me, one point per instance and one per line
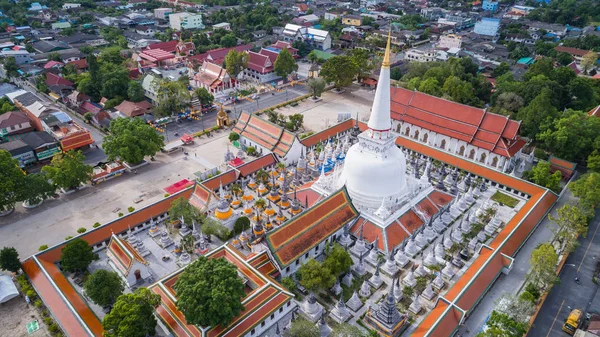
(14, 316)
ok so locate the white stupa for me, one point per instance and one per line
(376, 154)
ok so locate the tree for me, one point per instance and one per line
(396, 74)
(458, 90)
(228, 41)
(587, 189)
(539, 112)
(316, 85)
(337, 260)
(9, 259)
(12, 181)
(67, 170)
(205, 97)
(302, 328)
(543, 266)
(115, 80)
(240, 225)
(508, 103)
(541, 175)
(37, 189)
(313, 57)
(135, 92)
(132, 315)
(236, 62)
(589, 61)
(564, 59)
(361, 59)
(571, 222)
(294, 122)
(347, 330)
(340, 70)
(210, 292)
(430, 86)
(572, 136)
(314, 276)
(301, 46)
(172, 97)
(11, 67)
(593, 161)
(94, 79)
(104, 287)
(285, 63)
(501, 69)
(131, 139)
(181, 208)
(77, 256)
(233, 136)
(501, 325)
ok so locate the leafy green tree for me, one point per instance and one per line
(294, 122)
(301, 46)
(539, 112)
(542, 66)
(500, 70)
(302, 328)
(37, 189)
(135, 91)
(9, 259)
(132, 315)
(315, 276)
(94, 81)
(12, 181)
(210, 292)
(340, 70)
(313, 57)
(458, 90)
(564, 59)
(54, 56)
(502, 325)
(430, 86)
(587, 189)
(236, 62)
(337, 260)
(104, 287)
(508, 103)
(11, 67)
(233, 136)
(205, 97)
(228, 41)
(316, 85)
(172, 97)
(541, 175)
(396, 73)
(115, 80)
(131, 139)
(240, 224)
(571, 222)
(588, 61)
(67, 170)
(181, 208)
(285, 64)
(77, 256)
(543, 266)
(347, 330)
(361, 59)
(583, 94)
(593, 161)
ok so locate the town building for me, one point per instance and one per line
(163, 13)
(134, 109)
(449, 41)
(43, 145)
(21, 56)
(14, 122)
(20, 151)
(70, 5)
(314, 38)
(489, 5)
(432, 13)
(487, 27)
(223, 25)
(576, 53)
(419, 55)
(352, 20)
(179, 21)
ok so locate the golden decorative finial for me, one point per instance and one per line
(386, 56)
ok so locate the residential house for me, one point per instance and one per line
(21, 56)
(352, 20)
(487, 27)
(76, 98)
(301, 8)
(163, 13)
(68, 133)
(43, 145)
(81, 65)
(70, 5)
(20, 151)
(58, 86)
(47, 46)
(36, 7)
(432, 13)
(396, 38)
(61, 25)
(53, 65)
(14, 122)
(314, 38)
(133, 109)
(179, 21)
(145, 30)
(419, 55)
(551, 29)
(331, 15)
(576, 53)
(150, 88)
(448, 41)
(312, 19)
(223, 25)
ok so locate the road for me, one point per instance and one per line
(270, 99)
(510, 284)
(568, 295)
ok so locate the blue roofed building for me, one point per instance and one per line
(36, 7)
(487, 27)
(489, 5)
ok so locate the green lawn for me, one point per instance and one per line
(504, 199)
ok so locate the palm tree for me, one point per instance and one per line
(313, 57)
(262, 176)
(236, 189)
(281, 166)
(260, 203)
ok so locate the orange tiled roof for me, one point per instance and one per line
(371, 232)
(595, 112)
(328, 133)
(257, 164)
(76, 141)
(472, 125)
(122, 254)
(304, 231)
(226, 178)
(266, 134)
(201, 197)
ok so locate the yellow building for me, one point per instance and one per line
(352, 20)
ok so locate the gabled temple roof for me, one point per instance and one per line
(273, 137)
(248, 169)
(483, 129)
(201, 197)
(309, 228)
(314, 139)
(122, 255)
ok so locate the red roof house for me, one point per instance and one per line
(133, 109)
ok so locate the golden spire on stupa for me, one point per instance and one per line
(386, 56)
